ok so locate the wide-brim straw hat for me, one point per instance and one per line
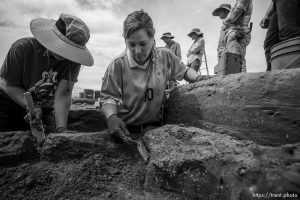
(221, 7)
(195, 30)
(167, 35)
(47, 33)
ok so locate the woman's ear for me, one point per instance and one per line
(125, 44)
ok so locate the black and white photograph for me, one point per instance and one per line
(149, 99)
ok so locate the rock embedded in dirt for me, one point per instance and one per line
(206, 165)
(74, 145)
(262, 107)
(16, 146)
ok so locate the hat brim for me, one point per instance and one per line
(217, 11)
(172, 37)
(194, 32)
(43, 31)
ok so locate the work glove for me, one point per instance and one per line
(117, 129)
(265, 22)
(36, 117)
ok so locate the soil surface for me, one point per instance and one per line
(77, 168)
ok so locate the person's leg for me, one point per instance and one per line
(195, 65)
(272, 38)
(288, 12)
(11, 115)
(238, 46)
(244, 43)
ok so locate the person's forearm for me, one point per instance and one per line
(109, 109)
(235, 15)
(191, 75)
(16, 94)
(61, 109)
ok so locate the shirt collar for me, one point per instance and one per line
(172, 42)
(198, 39)
(133, 63)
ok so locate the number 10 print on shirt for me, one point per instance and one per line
(148, 94)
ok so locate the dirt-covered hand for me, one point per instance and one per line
(36, 117)
(265, 22)
(117, 128)
(38, 112)
(61, 130)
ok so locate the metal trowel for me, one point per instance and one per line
(140, 147)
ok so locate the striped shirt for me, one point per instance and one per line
(222, 42)
(175, 48)
(196, 51)
(241, 22)
(138, 90)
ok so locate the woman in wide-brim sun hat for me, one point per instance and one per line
(46, 65)
(66, 37)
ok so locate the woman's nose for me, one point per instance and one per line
(137, 49)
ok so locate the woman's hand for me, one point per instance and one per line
(117, 128)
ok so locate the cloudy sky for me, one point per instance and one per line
(105, 19)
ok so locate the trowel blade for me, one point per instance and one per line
(37, 130)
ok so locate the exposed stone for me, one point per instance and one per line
(206, 165)
(16, 147)
(186, 163)
(262, 107)
(86, 120)
(72, 145)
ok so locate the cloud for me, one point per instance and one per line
(7, 24)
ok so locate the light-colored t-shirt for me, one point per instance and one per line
(138, 90)
(196, 51)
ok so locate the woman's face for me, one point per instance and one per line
(140, 45)
(57, 57)
(223, 14)
(194, 36)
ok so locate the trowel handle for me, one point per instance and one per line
(29, 102)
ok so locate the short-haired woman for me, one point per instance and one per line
(134, 84)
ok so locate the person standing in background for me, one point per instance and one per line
(197, 49)
(171, 44)
(175, 48)
(270, 21)
(222, 11)
(238, 32)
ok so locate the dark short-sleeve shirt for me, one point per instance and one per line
(28, 65)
